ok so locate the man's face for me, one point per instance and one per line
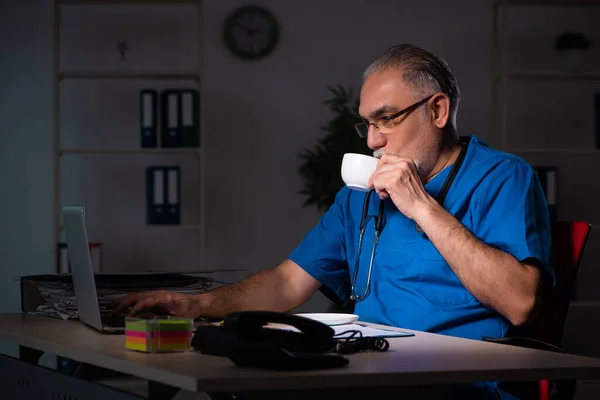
(408, 135)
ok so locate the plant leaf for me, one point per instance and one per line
(321, 164)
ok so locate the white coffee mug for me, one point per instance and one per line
(357, 169)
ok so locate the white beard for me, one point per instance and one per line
(380, 152)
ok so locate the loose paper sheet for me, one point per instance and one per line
(345, 331)
(366, 331)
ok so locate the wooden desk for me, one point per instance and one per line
(418, 360)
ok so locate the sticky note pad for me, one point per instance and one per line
(158, 334)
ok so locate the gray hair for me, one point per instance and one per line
(423, 71)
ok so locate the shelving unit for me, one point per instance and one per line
(504, 74)
(63, 75)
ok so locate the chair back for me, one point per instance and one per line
(568, 243)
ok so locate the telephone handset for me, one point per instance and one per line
(314, 336)
(245, 340)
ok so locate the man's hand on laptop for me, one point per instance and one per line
(160, 302)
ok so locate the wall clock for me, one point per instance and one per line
(251, 32)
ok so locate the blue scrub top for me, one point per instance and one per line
(495, 195)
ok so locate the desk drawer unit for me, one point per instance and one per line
(21, 380)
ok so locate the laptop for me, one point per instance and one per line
(83, 274)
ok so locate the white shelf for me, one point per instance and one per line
(555, 151)
(117, 2)
(558, 75)
(128, 75)
(155, 226)
(144, 151)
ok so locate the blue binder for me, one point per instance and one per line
(149, 118)
(163, 195)
(190, 118)
(548, 177)
(170, 113)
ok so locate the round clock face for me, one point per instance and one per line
(251, 32)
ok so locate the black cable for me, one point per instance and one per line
(353, 344)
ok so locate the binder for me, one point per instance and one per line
(155, 198)
(190, 118)
(173, 195)
(163, 193)
(63, 264)
(148, 118)
(170, 106)
(548, 177)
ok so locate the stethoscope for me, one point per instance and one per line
(441, 196)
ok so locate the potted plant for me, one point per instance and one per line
(320, 169)
(571, 46)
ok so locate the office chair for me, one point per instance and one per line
(545, 332)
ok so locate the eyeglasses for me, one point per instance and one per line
(386, 123)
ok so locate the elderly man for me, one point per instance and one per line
(464, 242)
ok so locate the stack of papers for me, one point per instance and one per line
(108, 295)
(56, 295)
(59, 300)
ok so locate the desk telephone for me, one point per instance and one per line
(244, 339)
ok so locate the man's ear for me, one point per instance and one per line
(440, 110)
